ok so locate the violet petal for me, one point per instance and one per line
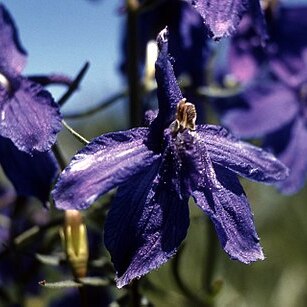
(294, 156)
(222, 17)
(30, 175)
(109, 160)
(146, 223)
(11, 51)
(269, 107)
(242, 158)
(29, 116)
(230, 213)
(168, 91)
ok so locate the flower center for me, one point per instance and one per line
(4, 82)
(185, 116)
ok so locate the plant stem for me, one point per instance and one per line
(135, 107)
(83, 296)
(100, 106)
(58, 155)
(135, 297)
(78, 136)
(211, 258)
(74, 85)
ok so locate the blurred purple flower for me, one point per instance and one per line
(247, 56)
(31, 175)
(157, 169)
(276, 108)
(29, 115)
(223, 17)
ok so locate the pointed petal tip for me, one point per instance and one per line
(129, 276)
(162, 37)
(246, 257)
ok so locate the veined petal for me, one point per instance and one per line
(29, 116)
(109, 160)
(268, 107)
(11, 51)
(240, 157)
(30, 175)
(228, 209)
(295, 157)
(222, 17)
(147, 222)
(168, 91)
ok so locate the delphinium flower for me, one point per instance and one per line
(223, 17)
(29, 119)
(157, 169)
(29, 115)
(275, 108)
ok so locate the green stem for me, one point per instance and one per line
(211, 259)
(135, 297)
(147, 5)
(74, 85)
(83, 296)
(180, 283)
(100, 106)
(135, 107)
(58, 155)
(78, 136)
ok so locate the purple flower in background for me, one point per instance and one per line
(157, 169)
(29, 115)
(31, 175)
(277, 108)
(223, 17)
(248, 58)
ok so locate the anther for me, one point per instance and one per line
(185, 116)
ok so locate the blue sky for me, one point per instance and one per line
(60, 36)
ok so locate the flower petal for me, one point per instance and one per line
(29, 116)
(246, 53)
(30, 175)
(147, 222)
(240, 157)
(268, 107)
(109, 160)
(11, 51)
(230, 213)
(168, 91)
(222, 17)
(294, 156)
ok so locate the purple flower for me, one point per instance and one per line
(157, 169)
(223, 17)
(277, 108)
(31, 175)
(29, 115)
